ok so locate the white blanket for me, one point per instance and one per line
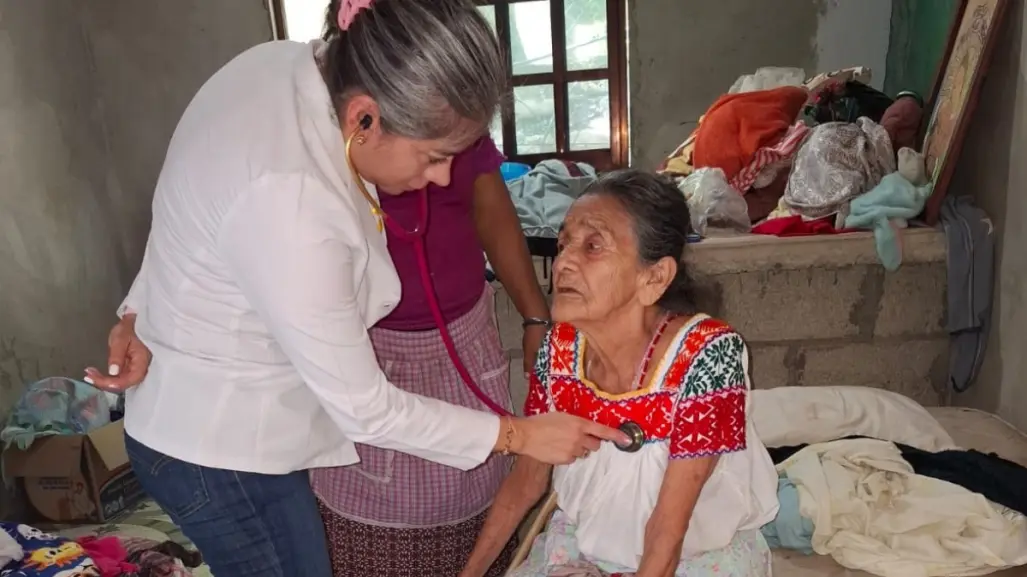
(871, 512)
(786, 416)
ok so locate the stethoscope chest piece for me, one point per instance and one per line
(637, 435)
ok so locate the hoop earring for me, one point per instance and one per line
(361, 139)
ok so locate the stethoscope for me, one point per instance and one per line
(416, 238)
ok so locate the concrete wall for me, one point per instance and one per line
(992, 168)
(919, 35)
(64, 258)
(151, 56)
(682, 55)
(822, 311)
(90, 93)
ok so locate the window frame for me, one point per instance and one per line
(615, 73)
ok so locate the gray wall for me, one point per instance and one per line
(992, 167)
(90, 93)
(683, 55)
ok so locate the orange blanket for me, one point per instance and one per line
(737, 125)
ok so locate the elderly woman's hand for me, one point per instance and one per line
(559, 438)
(127, 361)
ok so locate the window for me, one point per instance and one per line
(300, 20)
(567, 64)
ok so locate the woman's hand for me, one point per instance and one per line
(558, 438)
(127, 361)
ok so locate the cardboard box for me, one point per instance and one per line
(77, 477)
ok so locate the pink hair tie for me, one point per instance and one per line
(348, 11)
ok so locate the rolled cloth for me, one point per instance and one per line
(738, 125)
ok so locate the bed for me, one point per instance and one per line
(969, 428)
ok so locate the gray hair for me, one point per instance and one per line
(431, 65)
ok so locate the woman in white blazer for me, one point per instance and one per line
(266, 264)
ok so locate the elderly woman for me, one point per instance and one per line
(690, 494)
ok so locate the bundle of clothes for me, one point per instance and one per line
(544, 193)
(894, 510)
(873, 480)
(26, 551)
(802, 157)
(59, 406)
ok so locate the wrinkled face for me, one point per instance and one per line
(596, 272)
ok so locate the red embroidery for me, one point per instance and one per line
(705, 416)
(711, 424)
(563, 350)
(537, 402)
(698, 337)
(651, 411)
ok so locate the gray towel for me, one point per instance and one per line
(971, 268)
(543, 196)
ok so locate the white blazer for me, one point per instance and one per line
(263, 271)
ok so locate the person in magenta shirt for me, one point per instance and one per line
(393, 514)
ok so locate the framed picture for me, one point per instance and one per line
(956, 92)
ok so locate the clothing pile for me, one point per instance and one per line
(886, 491)
(543, 195)
(26, 551)
(803, 157)
(59, 406)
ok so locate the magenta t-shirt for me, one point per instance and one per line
(455, 256)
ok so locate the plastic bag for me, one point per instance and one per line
(714, 202)
(768, 78)
(55, 406)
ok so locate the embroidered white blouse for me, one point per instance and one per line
(697, 405)
(263, 270)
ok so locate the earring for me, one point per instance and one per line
(361, 139)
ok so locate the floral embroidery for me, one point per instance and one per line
(650, 411)
(710, 415)
(537, 401)
(699, 407)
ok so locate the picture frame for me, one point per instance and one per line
(956, 92)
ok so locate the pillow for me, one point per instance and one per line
(788, 416)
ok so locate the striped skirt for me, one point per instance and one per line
(397, 515)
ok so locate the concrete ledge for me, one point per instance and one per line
(915, 367)
(752, 252)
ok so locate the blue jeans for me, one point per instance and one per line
(243, 523)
